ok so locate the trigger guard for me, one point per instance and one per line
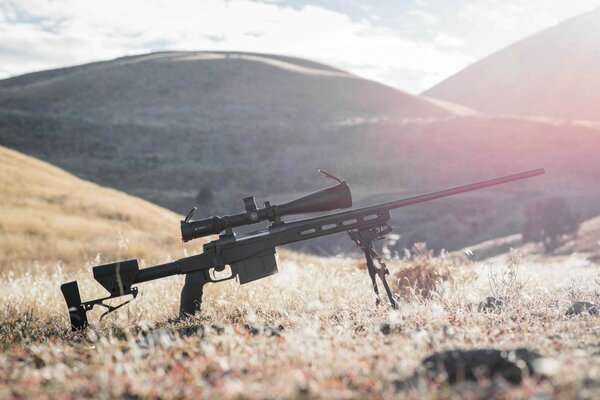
(219, 268)
(213, 279)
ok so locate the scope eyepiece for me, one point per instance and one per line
(204, 227)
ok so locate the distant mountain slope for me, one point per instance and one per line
(202, 87)
(208, 129)
(553, 73)
(48, 215)
(171, 126)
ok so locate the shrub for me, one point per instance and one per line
(551, 222)
(422, 275)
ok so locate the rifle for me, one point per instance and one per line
(251, 256)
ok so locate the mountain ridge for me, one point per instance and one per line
(209, 132)
(228, 70)
(549, 74)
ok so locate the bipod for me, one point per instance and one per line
(364, 239)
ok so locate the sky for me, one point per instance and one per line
(408, 44)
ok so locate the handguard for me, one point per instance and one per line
(117, 278)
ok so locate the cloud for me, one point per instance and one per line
(506, 15)
(427, 17)
(448, 40)
(40, 34)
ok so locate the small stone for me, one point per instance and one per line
(385, 328)
(473, 365)
(491, 304)
(391, 328)
(191, 330)
(449, 330)
(274, 330)
(253, 330)
(583, 307)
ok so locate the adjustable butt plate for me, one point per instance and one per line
(78, 310)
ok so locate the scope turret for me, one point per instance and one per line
(331, 198)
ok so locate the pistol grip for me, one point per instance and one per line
(191, 294)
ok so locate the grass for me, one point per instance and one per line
(310, 331)
(50, 216)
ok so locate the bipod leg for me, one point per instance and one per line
(364, 239)
(382, 271)
(372, 273)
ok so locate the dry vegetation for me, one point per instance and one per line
(310, 331)
(50, 216)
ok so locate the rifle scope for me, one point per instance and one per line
(331, 198)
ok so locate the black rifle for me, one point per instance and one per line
(251, 256)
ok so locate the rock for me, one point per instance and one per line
(266, 330)
(191, 330)
(385, 328)
(472, 365)
(491, 304)
(582, 307)
(253, 330)
(274, 330)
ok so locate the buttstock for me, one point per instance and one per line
(77, 311)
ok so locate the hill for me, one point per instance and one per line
(169, 127)
(50, 216)
(207, 129)
(553, 74)
(206, 87)
(447, 152)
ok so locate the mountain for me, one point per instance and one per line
(171, 127)
(201, 89)
(50, 216)
(208, 129)
(551, 74)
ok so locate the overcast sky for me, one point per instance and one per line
(409, 44)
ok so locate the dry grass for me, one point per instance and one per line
(50, 216)
(310, 331)
(425, 276)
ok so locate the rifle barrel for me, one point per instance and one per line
(459, 189)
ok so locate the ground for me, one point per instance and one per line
(310, 331)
